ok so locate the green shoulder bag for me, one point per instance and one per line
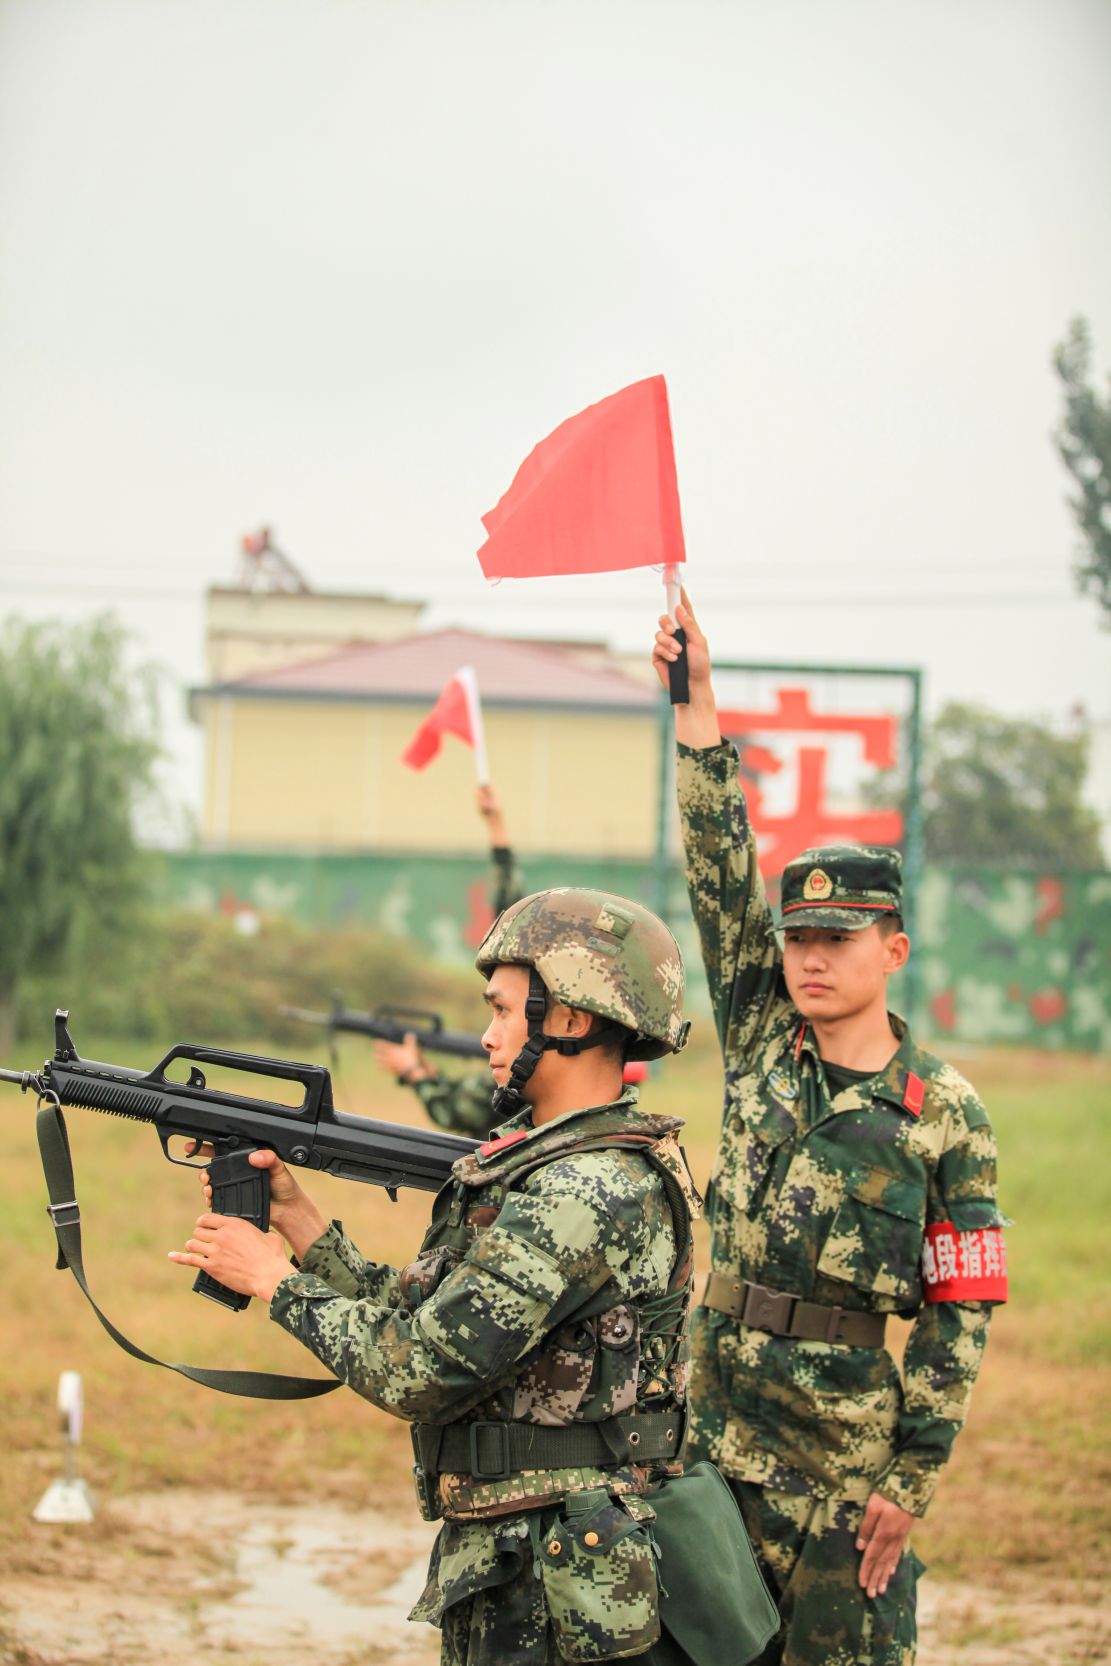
(713, 1600)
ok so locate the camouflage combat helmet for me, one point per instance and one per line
(601, 954)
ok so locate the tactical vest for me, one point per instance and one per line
(606, 1388)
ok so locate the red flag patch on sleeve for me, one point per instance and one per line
(964, 1266)
(913, 1094)
(491, 1147)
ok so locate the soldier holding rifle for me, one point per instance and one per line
(855, 1181)
(538, 1342)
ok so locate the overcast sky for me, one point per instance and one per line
(336, 265)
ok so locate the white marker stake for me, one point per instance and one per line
(69, 1499)
(469, 681)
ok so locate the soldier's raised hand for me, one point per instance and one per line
(665, 650)
(490, 809)
(696, 723)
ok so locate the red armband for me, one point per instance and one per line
(964, 1266)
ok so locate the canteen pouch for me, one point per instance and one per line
(599, 1573)
(713, 1600)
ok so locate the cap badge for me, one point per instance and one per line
(818, 884)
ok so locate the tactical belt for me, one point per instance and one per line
(782, 1314)
(494, 1451)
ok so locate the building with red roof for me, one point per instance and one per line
(306, 756)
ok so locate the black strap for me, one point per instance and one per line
(492, 1451)
(57, 1166)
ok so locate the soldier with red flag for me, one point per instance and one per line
(855, 1182)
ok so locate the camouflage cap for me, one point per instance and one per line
(601, 954)
(841, 887)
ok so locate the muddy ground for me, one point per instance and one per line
(171, 1578)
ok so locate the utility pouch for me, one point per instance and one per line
(599, 1572)
(713, 1600)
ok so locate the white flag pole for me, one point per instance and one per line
(474, 711)
(671, 587)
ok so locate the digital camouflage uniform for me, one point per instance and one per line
(557, 1314)
(537, 1344)
(461, 1104)
(867, 1200)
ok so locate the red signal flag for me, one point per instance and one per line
(456, 712)
(597, 496)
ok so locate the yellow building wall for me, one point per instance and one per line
(327, 775)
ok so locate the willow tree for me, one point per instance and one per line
(77, 749)
(1083, 440)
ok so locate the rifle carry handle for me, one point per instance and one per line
(238, 1188)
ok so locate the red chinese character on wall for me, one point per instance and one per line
(810, 821)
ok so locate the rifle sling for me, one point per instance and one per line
(57, 1166)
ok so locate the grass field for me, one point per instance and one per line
(1027, 1495)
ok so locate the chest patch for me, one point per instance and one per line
(783, 1085)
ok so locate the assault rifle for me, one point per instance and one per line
(387, 1023)
(308, 1134)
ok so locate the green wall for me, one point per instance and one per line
(1013, 956)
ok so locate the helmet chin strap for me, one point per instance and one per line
(510, 1099)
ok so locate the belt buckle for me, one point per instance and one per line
(768, 1310)
(833, 1324)
(64, 1214)
(481, 1471)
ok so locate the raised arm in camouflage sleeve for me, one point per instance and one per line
(730, 909)
(508, 885)
(946, 1343)
(551, 1247)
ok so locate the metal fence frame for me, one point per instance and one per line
(913, 834)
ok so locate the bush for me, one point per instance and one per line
(195, 977)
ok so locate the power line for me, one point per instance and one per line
(34, 559)
(706, 598)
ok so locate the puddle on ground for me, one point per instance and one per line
(234, 1582)
(343, 1580)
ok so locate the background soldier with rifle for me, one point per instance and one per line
(459, 1103)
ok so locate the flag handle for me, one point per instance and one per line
(678, 680)
(481, 767)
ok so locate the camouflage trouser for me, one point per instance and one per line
(808, 1555)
